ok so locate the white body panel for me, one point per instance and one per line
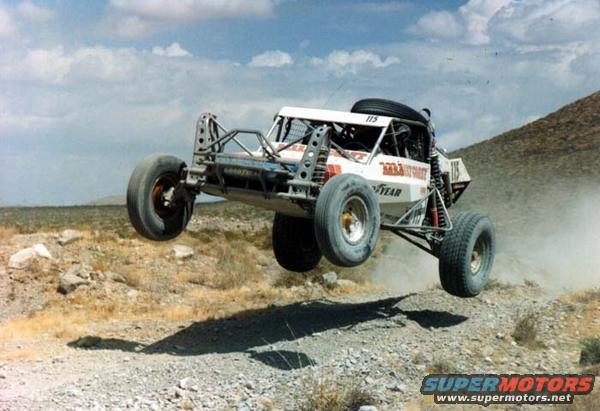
(398, 182)
(456, 169)
(335, 116)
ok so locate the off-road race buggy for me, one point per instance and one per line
(334, 180)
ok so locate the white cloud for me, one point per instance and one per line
(476, 15)
(7, 25)
(439, 24)
(35, 13)
(271, 58)
(535, 22)
(129, 27)
(140, 18)
(193, 10)
(174, 50)
(469, 22)
(342, 60)
(55, 66)
(548, 22)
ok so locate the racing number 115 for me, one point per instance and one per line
(371, 119)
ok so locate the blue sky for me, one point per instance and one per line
(89, 88)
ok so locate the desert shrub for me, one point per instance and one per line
(590, 351)
(334, 395)
(133, 278)
(237, 264)
(588, 296)
(525, 331)
(495, 284)
(441, 366)
(586, 402)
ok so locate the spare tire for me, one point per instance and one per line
(381, 107)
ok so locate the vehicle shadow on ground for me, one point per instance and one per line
(246, 331)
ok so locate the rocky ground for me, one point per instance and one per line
(120, 323)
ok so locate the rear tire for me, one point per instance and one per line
(467, 254)
(381, 107)
(347, 220)
(294, 243)
(152, 177)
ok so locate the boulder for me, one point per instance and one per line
(68, 236)
(22, 259)
(182, 251)
(330, 279)
(42, 251)
(75, 276)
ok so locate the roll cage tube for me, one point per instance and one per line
(208, 138)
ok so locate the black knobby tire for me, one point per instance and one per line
(467, 254)
(344, 200)
(153, 176)
(381, 107)
(294, 243)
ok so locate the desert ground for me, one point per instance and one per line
(108, 320)
(92, 316)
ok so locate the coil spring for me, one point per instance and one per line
(437, 181)
(321, 165)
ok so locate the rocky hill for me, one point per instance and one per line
(543, 166)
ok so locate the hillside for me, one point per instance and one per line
(540, 167)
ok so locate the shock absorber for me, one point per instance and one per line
(438, 182)
(321, 165)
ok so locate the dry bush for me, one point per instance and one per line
(6, 233)
(525, 331)
(590, 351)
(53, 322)
(586, 402)
(592, 369)
(334, 395)
(495, 284)
(587, 296)
(133, 278)
(441, 366)
(261, 239)
(236, 264)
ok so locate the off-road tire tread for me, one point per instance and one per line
(326, 196)
(136, 201)
(453, 254)
(382, 107)
(286, 245)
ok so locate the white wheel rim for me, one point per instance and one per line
(353, 219)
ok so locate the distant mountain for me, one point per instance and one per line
(110, 200)
(121, 200)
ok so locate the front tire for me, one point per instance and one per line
(151, 217)
(347, 220)
(294, 243)
(467, 255)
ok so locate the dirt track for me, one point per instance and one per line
(265, 359)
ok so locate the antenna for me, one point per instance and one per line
(334, 92)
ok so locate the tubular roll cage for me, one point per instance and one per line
(303, 180)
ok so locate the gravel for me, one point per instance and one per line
(264, 359)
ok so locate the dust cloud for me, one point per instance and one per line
(556, 245)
